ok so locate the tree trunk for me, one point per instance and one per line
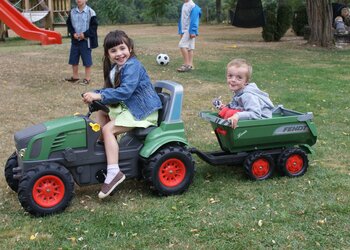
(218, 11)
(320, 21)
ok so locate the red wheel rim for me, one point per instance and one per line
(172, 172)
(260, 168)
(48, 191)
(294, 164)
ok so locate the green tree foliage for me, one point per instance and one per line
(153, 11)
(284, 20)
(208, 10)
(278, 20)
(157, 9)
(300, 21)
(111, 11)
(164, 11)
(136, 11)
(293, 3)
(268, 32)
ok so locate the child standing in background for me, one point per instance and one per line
(188, 30)
(132, 98)
(82, 27)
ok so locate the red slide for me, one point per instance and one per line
(24, 28)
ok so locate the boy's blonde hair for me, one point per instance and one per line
(241, 63)
(338, 18)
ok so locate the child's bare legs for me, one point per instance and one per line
(190, 57)
(109, 132)
(75, 71)
(187, 55)
(101, 118)
(88, 73)
(114, 175)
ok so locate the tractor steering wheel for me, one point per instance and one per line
(97, 105)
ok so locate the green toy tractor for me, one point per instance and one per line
(50, 157)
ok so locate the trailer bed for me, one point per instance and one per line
(286, 128)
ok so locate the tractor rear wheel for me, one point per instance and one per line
(170, 170)
(259, 166)
(293, 162)
(11, 163)
(46, 189)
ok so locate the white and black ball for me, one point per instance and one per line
(163, 59)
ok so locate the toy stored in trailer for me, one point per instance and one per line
(50, 157)
(283, 140)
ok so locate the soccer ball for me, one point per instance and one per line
(163, 59)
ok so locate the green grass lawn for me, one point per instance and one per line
(222, 209)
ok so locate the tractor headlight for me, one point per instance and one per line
(21, 152)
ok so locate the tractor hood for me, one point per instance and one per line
(40, 140)
(23, 137)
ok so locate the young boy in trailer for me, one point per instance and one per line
(188, 30)
(248, 101)
(82, 27)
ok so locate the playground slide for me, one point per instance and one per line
(24, 28)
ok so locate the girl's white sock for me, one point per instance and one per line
(112, 171)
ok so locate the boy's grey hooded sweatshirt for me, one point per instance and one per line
(253, 103)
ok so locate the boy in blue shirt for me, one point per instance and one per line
(188, 30)
(82, 27)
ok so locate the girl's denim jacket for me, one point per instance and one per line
(136, 91)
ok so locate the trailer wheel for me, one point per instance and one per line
(259, 166)
(11, 163)
(46, 189)
(170, 170)
(293, 162)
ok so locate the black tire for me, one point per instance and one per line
(58, 184)
(170, 170)
(259, 166)
(293, 162)
(11, 163)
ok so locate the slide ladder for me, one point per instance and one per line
(24, 28)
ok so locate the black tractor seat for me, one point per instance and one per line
(141, 133)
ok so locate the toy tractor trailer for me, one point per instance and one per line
(283, 140)
(52, 156)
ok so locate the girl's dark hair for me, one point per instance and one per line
(112, 39)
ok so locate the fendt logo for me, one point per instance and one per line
(291, 129)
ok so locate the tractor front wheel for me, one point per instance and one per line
(259, 166)
(293, 162)
(11, 163)
(170, 170)
(46, 189)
